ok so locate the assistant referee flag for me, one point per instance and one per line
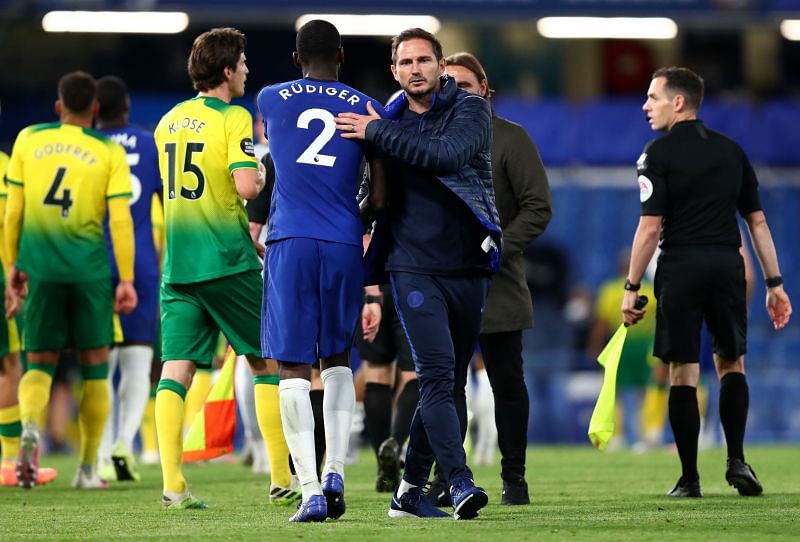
(211, 433)
(601, 426)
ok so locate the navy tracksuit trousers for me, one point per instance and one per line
(441, 316)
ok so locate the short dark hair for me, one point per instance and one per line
(212, 52)
(317, 40)
(77, 91)
(112, 94)
(416, 33)
(685, 82)
(470, 62)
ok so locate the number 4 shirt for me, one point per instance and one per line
(316, 169)
(67, 173)
(200, 143)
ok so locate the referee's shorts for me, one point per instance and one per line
(391, 342)
(693, 285)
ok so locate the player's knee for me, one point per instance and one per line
(294, 370)
(379, 374)
(180, 371)
(725, 366)
(94, 356)
(684, 374)
(257, 364)
(337, 360)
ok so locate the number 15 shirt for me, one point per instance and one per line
(67, 173)
(200, 143)
(316, 169)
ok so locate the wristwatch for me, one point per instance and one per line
(373, 299)
(629, 286)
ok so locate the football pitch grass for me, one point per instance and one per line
(577, 494)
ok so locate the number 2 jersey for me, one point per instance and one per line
(67, 173)
(316, 169)
(200, 143)
(145, 181)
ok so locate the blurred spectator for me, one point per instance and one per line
(633, 374)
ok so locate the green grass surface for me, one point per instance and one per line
(578, 494)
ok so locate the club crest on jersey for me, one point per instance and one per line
(415, 299)
(641, 163)
(246, 145)
(645, 188)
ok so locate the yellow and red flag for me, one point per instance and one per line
(211, 433)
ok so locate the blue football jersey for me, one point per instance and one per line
(145, 180)
(316, 170)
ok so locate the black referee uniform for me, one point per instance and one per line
(697, 179)
(258, 208)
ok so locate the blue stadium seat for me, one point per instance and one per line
(736, 120)
(612, 131)
(781, 136)
(550, 123)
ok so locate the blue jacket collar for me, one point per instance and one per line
(441, 100)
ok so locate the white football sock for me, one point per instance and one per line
(246, 398)
(134, 390)
(298, 427)
(337, 411)
(484, 415)
(246, 401)
(404, 487)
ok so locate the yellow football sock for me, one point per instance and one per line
(169, 427)
(34, 392)
(10, 431)
(196, 396)
(618, 422)
(654, 410)
(702, 399)
(93, 408)
(147, 431)
(268, 412)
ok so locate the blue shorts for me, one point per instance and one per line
(142, 324)
(312, 299)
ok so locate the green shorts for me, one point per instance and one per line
(68, 315)
(192, 316)
(9, 338)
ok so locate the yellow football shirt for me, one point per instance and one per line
(157, 221)
(3, 196)
(67, 173)
(634, 366)
(200, 143)
(3, 167)
(4, 159)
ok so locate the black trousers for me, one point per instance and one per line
(502, 354)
